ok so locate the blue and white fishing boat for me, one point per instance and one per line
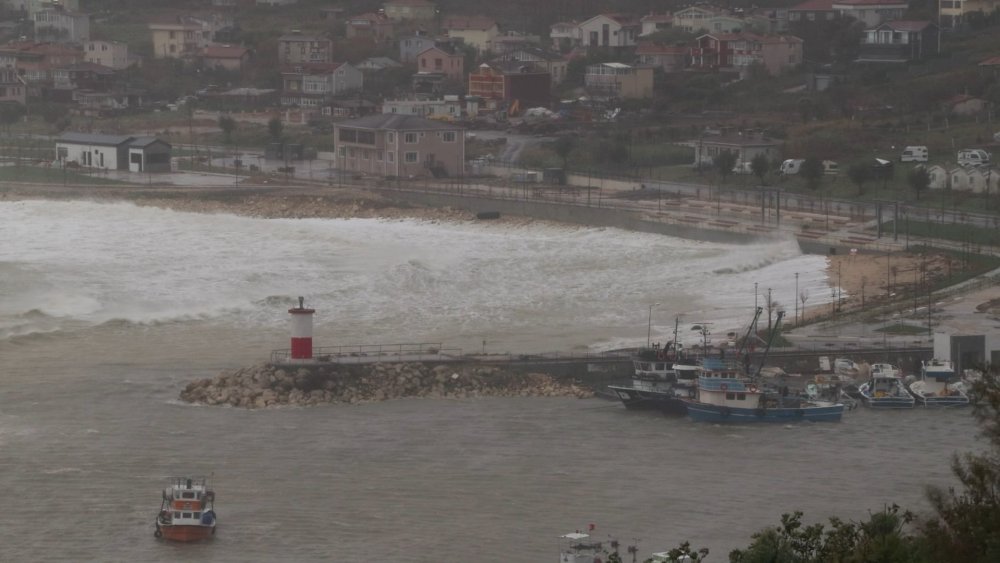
(727, 394)
(938, 386)
(885, 389)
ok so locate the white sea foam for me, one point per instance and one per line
(85, 264)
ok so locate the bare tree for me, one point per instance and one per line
(803, 297)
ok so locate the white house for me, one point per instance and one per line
(610, 30)
(62, 26)
(114, 152)
(309, 85)
(939, 177)
(112, 54)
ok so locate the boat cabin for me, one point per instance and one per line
(938, 370)
(186, 502)
(579, 548)
(723, 383)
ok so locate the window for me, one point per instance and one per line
(364, 154)
(197, 515)
(411, 157)
(187, 515)
(448, 136)
(172, 35)
(410, 138)
(378, 156)
(343, 152)
(177, 514)
(390, 156)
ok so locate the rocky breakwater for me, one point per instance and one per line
(266, 385)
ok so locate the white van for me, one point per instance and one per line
(914, 154)
(791, 166)
(973, 157)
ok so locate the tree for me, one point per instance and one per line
(812, 171)
(724, 163)
(965, 522)
(10, 113)
(228, 125)
(563, 146)
(759, 166)
(275, 128)
(919, 179)
(859, 173)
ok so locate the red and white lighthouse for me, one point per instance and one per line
(302, 332)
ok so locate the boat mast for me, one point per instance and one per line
(770, 339)
(746, 337)
(677, 321)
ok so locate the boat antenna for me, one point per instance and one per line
(770, 339)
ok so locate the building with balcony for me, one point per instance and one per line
(871, 12)
(610, 30)
(180, 37)
(111, 54)
(899, 41)
(402, 146)
(607, 81)
(737, 52)
(296, 48)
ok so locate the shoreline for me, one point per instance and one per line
(862, 277)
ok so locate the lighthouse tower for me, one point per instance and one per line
(302, 332)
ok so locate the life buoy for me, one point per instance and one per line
(724, 386)
(752, 388)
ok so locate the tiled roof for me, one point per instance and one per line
(908, 25)
(992, 61)
(94, 139)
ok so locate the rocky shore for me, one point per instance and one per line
(265, 385)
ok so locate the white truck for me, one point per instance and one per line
(917, 153)
(973, 157)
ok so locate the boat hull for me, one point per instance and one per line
(702, 412)
(960, 401)
(640, 399)
(184, 533)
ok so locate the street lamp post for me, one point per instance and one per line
(796, 299)
(649, 324)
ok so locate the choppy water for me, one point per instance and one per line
(106, 311)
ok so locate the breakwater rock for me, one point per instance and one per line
(266, 385)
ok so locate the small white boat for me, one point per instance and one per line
(885, 389)
(938, 386)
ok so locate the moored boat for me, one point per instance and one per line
(187, 511)
(659, 381)
(938, 386)
(885, 389)
(727, 393)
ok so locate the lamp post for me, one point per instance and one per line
(649, 324)
(796, 299)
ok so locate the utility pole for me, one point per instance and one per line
(796, 296)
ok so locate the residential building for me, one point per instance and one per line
(610, 30)
(402, 146)
(692, 19)
(410, 10)
(114, 152)
(35, 61)
(726, 24)
(440, 60)
(181, 37)
(899, 41)
(606, 81)
(653, 23)
(34, 6)
(475, 31)
(670, 58)
(739, 51)
(276, 2)
(448, 107)
(812, 10)
(12, 87)
(953, 13)
(296, 48)
(746, 147)
(87, 76)
(374, 27)
(59, 25)
(511, 85)
(227, 57)
(550, 62)
(964, 104)
(413, 45)
(871, 12)
(565, 35)
(111, 54)
(310, 85)
(509, 40)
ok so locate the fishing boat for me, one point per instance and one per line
(726, 393)
(938, 386)
(659, 380)
(885, 389)
(833, 388)
(187, 511)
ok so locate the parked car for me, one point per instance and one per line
(917, 153)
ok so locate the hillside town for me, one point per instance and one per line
(820, 95)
